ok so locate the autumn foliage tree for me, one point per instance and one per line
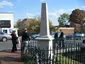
(77, 16)
(33, 25)
(76, 19)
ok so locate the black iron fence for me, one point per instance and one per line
(67, 53)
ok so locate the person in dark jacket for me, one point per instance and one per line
(25, 35)
(24, 43)
(14, 41)
(55, 43)
(61, 38)
(56, 35)
(25, 40)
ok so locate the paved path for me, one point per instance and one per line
(7, 57)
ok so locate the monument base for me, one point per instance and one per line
(46, 42)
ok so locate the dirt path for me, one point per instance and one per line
(7, 57)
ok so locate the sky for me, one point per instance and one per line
(32, 8)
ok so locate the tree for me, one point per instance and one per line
(83, 12)
(76, 19)
(33, 25)
(63, 18)
(77, 16)
(52, 28)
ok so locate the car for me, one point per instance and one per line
(35, 36)
(75, 36)
(4, 37)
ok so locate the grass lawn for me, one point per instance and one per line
(61, 60)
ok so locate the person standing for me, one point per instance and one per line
(61, 38)
(56, 38)
(24, 44)
(14, 41)
(55, 43)
(56, 35)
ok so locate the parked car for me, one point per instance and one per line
(4, 36)
(75, 36)
(35, 36)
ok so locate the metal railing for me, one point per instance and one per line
(71, 53)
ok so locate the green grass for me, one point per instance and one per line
(61, 60)
(65, 60)
(29, 62)
(29, 59)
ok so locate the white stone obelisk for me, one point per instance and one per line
(44, 26)
(45, 40)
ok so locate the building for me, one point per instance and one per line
(6, 22)
(67, 30)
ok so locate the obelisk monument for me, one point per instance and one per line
(44, 26)
(45, 40)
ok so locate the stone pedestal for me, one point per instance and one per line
(46, 44)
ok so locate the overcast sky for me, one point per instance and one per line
(32, 8)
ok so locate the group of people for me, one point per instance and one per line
(25, 39)
(15, 40)
(59, 39)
